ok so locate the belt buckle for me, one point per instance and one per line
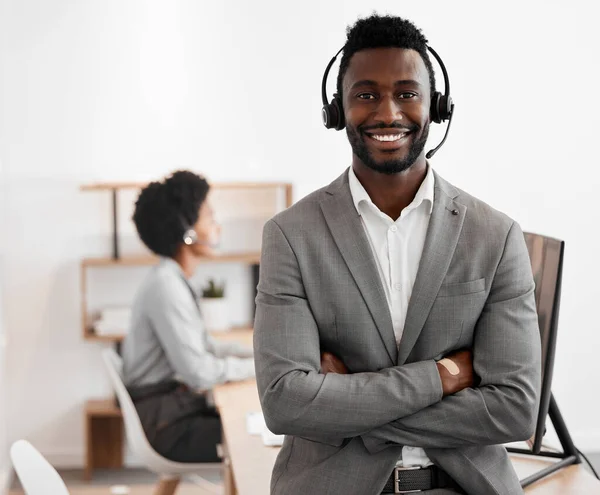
(397, 469)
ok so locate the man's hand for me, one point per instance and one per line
(332, 364)
(456, 371)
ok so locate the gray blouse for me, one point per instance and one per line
(167, 339)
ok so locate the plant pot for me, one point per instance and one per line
(215, 314)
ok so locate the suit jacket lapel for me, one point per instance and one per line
(349, 234)
(443, 232)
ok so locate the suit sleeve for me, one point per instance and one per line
(506, 357)
(296, 398)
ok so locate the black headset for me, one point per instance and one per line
(441, 109)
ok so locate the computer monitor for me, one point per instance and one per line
(546, 255)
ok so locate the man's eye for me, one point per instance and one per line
(365, 96)
(406, 96)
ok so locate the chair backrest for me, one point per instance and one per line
(133, 427)
(36, 474)
(546, 255)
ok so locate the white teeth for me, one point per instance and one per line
(387, 137)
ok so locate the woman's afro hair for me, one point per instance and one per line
(165, 210)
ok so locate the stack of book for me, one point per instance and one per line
(113, 321)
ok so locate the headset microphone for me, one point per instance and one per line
(432, 152)
(190, 238)
(441, 108)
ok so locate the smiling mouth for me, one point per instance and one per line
(388, 141)
(382, 138)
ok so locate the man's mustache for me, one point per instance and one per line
(395, 125)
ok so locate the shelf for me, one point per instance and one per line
(103, 338)
(147, 260)
(114, 186)
(102, 408)
(234, 334)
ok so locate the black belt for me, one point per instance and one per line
(417, 479)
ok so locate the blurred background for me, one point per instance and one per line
(130, 90)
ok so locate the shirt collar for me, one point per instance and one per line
(425, 192)
(174, 267)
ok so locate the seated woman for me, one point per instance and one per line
(170, 363)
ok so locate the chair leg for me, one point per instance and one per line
(167, 486)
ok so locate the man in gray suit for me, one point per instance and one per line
(396, 339)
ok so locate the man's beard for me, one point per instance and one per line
(357, 138)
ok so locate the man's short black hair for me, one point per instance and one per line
(383, 32)
(165, 210)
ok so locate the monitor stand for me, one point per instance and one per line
(568, 456)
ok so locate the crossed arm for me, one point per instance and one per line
(403, 404)
(296, 398)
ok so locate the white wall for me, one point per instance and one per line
(112, 89)
(4, 461)
(4, 464)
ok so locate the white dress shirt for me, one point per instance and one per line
(397, 246)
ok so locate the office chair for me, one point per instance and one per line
(170, 472)
(36, 474)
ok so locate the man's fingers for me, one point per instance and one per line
(332, 364)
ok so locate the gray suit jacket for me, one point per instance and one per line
(319, 290)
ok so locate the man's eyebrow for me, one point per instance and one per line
(369, 82)
(408, 81)
(363, 82)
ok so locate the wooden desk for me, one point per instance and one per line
(572, 480)
(251, 463)
(248, 462)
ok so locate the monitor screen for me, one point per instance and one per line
(546, 256)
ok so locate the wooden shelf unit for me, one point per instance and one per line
(111, 186)
(252, 258)
(90, 335)
(115, 187)
(142, 260)
(115, 260)
(104, 433)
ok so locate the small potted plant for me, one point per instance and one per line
(214, 307)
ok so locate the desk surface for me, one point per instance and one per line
(252, 461)
(572, 480)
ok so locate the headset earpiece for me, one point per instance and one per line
(441, 107)
(333, 114)
(190, 237)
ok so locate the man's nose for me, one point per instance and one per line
(388, 110)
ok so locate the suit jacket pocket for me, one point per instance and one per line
(462, 288)
(451, 319)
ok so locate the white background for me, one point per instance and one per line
(4, 471)
(130, 90)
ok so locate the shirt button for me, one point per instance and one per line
(393, 228)
(398, 286)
